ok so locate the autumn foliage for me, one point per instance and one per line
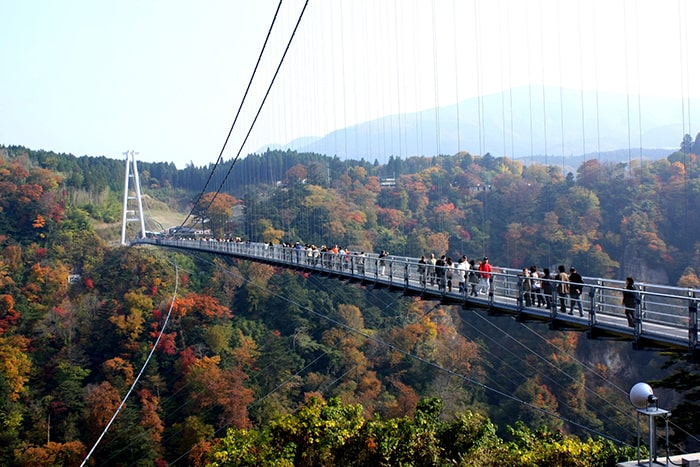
(304, 369)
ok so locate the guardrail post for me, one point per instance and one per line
(554, 307)
(521, 297)
(637, 318)
(592, 298)
(692, 328)
(405, 276)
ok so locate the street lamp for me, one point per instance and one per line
(643, 399)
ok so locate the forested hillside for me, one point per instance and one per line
(611, 220)
(263, 365)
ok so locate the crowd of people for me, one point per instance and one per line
(475, 279)
(471, 277)
(538, 289)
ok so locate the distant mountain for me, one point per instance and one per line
(512, 123)
(294, 144)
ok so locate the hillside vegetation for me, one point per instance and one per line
(259, 365)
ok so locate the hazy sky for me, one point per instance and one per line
(165, 77)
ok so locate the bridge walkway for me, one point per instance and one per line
(665, 317)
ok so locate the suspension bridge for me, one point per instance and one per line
(665, 318)
(472, 66)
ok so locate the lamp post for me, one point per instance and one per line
(643, 399)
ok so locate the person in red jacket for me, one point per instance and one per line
(484, 276)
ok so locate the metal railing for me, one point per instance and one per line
(664, 316)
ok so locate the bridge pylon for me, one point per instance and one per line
(132, 212)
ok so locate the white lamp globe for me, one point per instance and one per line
(641, 395)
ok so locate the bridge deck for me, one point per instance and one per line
(665, 317)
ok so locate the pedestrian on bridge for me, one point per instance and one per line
(547, 288)
(527, 287)
(575, 291)
(562, 287)
(462, 273)
(473, 278)
(449, 272)
(422, 265)
(629, 300)
(382, 262)
(537, 293)
(361, 263)
(485, 276)
(440, 272)
(431, 268)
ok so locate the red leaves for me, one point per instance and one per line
(29, 193)
(8, 315)
(167, 343)
(187, 359)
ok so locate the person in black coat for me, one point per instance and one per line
(547, 287)
(629, 300)
(575, 291)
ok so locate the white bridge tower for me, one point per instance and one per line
(131, 193)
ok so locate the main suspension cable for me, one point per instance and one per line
(240, 107)
(257, 114)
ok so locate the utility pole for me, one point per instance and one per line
(128, 214)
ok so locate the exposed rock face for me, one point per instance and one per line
(634, 266)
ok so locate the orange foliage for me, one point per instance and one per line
(296, 173)
(118, 367)
(70, 453)
(406, 400)
(149, 416)
(368, 390)
(439, 241)
(29, 193)
(14, 366)
(200, 304)
(223, 389)
(218, 203)
(12, 255)
(102, 402)
(446, 209)
(38, 273)
(247, 352)
(39, 222)
(566, 344)
(260, 274)
(8, 314)
(44, 177)
(199, 454)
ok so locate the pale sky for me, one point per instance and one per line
(165, 77)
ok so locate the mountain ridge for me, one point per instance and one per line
(524, 122)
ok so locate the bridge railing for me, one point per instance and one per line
(658, 307)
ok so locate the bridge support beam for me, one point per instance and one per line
(128, 212)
